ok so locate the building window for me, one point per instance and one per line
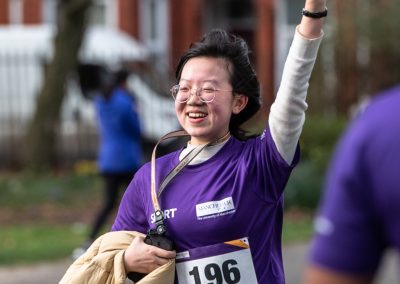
(239, 9)
(288, 16)
(49, 11)
(235, 16)
(294, 11)
(153, 17)
(103, 13)
(154, 29)
(15, 12)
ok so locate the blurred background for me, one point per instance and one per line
(49, 186)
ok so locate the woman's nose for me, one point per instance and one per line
(194, 96)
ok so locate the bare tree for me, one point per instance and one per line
(383, 32)
(347, 67)
(366, 55)
(42, 133)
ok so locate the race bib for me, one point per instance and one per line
(224, 263)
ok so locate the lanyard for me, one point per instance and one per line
(160, 226)
(186, 160)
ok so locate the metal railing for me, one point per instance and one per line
(21, 77)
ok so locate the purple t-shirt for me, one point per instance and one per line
(245, 180)
(360, 214)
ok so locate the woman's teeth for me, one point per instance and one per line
(196, 115)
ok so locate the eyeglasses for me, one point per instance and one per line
(182, 94)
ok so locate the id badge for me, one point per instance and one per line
(224, 263)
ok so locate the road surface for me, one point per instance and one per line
(294, 258)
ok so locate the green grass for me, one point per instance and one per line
(21, 244)
(297, 230)
(24, 244)
(36, 213)
(28, 189)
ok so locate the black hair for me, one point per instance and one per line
(93, 77)
(120, 77)
(220, 44)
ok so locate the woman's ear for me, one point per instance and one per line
(239, 103)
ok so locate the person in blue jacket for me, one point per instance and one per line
(120, 152)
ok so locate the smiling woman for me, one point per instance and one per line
(216, 91)
(207, 73)
(227, 200)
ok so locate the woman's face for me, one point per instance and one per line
(206, 122)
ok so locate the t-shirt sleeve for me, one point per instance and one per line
(269, 167)
(131, 213)
(347, 235)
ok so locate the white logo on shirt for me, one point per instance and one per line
(214, 209)
(324, 226)
(263, 135)
(168, 214)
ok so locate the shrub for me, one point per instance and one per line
(317, 142)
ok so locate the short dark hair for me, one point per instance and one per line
(221, 44)
(121, 76)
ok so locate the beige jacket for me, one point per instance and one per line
(103, 263)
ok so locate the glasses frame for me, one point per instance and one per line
(197, 92)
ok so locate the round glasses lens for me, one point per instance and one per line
(207, 94)
(174, 91)
(183, 94)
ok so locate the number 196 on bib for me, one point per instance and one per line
(227, 273)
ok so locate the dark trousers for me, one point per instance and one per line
(112, 184)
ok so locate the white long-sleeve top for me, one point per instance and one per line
(286, 118)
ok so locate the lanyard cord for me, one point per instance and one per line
(186, 160)
(178, 133)
(159, 216)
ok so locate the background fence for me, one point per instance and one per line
(21, 77)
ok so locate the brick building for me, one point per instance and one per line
(167, 27)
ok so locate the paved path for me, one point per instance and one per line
(295, 260)
(294, 256)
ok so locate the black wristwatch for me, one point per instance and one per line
(315, 15)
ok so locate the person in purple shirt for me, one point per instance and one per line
(223, 211)
(359, 216)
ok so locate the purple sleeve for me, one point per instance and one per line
(269, 167)
(347, 237)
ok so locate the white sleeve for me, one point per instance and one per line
(287, 114)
